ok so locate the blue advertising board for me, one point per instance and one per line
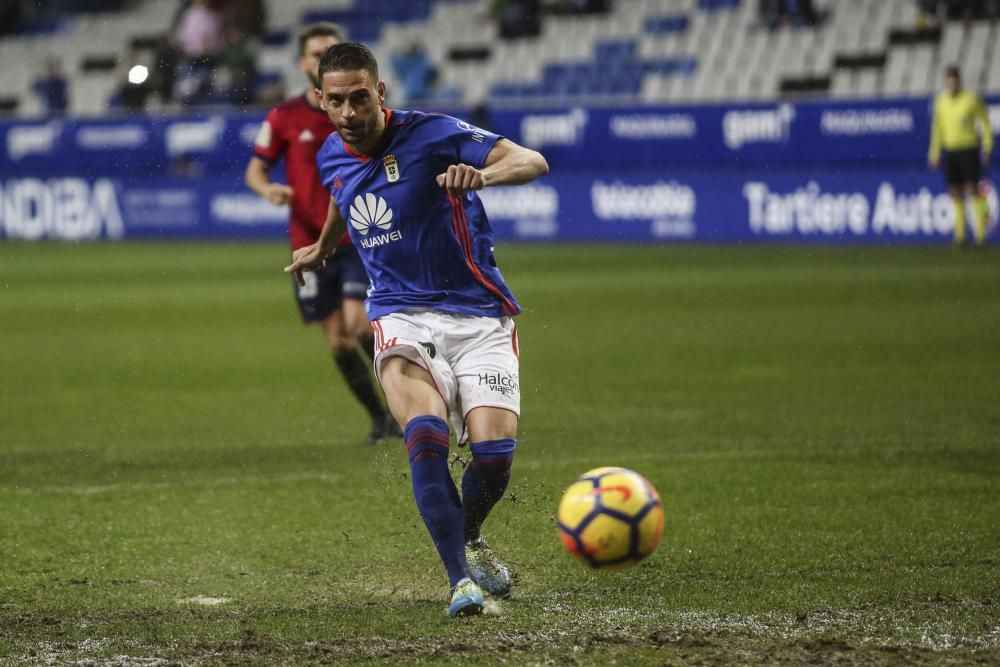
(859, 205)
(835, 172)
(762, 135)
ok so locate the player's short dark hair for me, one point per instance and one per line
(320, 29)
(953, 70)
(348, 57)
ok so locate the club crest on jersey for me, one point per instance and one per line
(391, 168)
(370, 213)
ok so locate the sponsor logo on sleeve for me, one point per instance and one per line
(477, 134)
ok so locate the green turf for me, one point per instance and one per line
(823, 425)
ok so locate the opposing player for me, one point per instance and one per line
(442, 313)
(956, 112)
(333, 296)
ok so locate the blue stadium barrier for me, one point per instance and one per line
(805, 172)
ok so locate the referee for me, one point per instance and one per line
(954, 138)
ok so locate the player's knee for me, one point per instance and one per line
(488, 423)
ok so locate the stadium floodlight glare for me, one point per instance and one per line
(138, 74)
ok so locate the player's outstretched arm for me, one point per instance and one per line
(258, 179)
(312, 257)
(506, 164)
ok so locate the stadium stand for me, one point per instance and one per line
(640, 51)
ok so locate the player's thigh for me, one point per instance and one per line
(410, 390)
(333, 329)
(488, 375)
(406, 337)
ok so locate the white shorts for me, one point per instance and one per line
(473, 360)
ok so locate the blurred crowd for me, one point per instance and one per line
(932, 12)
(775, 14)
(205, 57)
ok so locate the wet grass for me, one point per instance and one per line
(182, 480)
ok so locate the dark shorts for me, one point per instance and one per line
(961, 167)
(343, 277)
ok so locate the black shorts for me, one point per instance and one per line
(343, 277)
(961, 167)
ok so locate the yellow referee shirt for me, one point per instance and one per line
(954, 126)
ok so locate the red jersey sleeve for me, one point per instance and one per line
(270, 143)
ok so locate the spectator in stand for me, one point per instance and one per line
(53, 88)
(163, 74)
(572, 7)
(966, 10)
(199, 31)
(518, 18)
(240, 65)
(927, 13)
(249, 17)
(415, 71)
(12, 14)
(777, 13)
(199, 38)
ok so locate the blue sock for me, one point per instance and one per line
(437, 498)
(484, 481)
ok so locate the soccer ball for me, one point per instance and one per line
(610, 518)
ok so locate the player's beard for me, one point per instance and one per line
(359, 134)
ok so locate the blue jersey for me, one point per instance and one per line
(422, 248)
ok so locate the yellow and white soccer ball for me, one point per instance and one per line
(610, 518)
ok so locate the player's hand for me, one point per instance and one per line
(278, 194)
(932, 162)
(307, 258)
(461, 179)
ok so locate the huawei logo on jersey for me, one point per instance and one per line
(371, 213)
(306, 135)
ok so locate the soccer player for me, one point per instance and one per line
(954, 137)
(446, 345)
(334, 296)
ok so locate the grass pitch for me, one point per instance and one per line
(182, 481)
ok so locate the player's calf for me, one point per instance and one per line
(433, 489)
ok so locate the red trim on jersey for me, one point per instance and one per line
(387, 112)
(513, 342)
(460, 224)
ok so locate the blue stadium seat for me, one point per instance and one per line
(667, 24)
(716, 5)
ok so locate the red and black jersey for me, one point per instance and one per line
(295, 130)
